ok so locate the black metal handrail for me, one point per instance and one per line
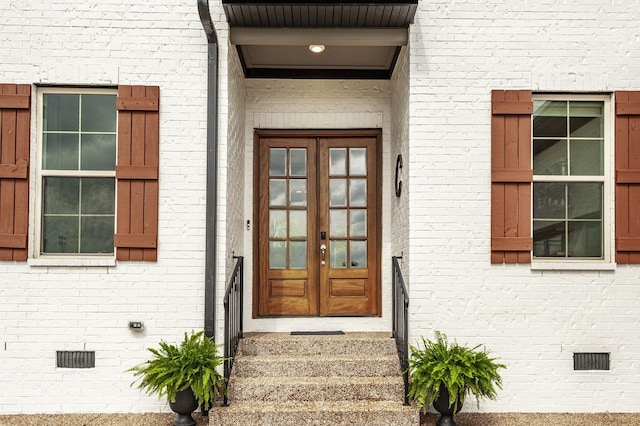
(401, 322)
(233, 317)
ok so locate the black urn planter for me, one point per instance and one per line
(185, 404)
(442, 406)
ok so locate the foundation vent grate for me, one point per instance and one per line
(75, 359)
(590, 361)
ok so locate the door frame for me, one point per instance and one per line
(311, 133)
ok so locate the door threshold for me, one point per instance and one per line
(318, 333)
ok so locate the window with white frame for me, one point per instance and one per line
(76, 171)
(570, 175)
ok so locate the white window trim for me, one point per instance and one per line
(607, 262)
(40, 259)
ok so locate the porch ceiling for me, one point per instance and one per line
(362, 39)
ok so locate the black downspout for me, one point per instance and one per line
(212, 169)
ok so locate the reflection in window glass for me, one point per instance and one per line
(550, 119)
(98, 113)
(60, 234)
(60, 112)
(587, 157)
(60, 151)
(337, 161)
(358, 223)
(277, 254)
(586, 119)
(549, 238)
(61, 195)
(277, 162)
(277, 192)
(277, 223)
(98, 152)
(338, 223)
(358, 192)
(96, 234)
(358, 254)
(585, 239)
(297, 224)
(358, 161)
(550, 157)
(98, 196)
(298, 254)
(298, 192)
(337, 192)
(338, 254)
(298, 162)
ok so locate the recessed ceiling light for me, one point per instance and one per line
(316, 48)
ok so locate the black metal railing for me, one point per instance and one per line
(233, 317)
(401, 322)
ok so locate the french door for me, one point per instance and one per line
(317, 215)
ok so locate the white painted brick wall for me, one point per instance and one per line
(44, 308)
(400, 98)
(533, 320)
(459, 51)
(233, 149)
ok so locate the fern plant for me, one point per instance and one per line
(173, 368)
(460, 369)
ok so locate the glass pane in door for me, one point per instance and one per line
(348, 207)
(287, 208)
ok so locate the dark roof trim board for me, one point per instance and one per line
(356, 23)
(320, 14)
(322, 73)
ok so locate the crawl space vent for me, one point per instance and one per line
(75, 359)
(591, 361)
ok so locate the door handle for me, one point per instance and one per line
(323, 250)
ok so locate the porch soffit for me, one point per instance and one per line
(362, 38)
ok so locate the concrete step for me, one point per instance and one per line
(280, 379)
(284, 389)
(347, 344)
(358, 413)
(317, 366)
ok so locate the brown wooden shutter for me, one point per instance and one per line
(511, 176)
(627, 177)
(137, 173)
(15, 101)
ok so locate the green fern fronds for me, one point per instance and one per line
(460, 369)
(194, 363)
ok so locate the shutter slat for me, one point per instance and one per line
(137, 104)
(14, 101)
(628, 176)
(512, 244)
(511, 176)
(137, 172)
(13, 171)
(628, 108)
(136, 240)
(629, 244)
(512, 107)
(17, 241)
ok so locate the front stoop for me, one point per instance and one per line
(351, 379)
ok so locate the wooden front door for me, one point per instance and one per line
(317, 216)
